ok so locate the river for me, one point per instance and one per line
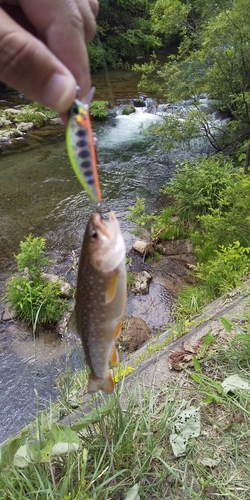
(40, 194)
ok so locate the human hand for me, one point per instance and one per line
(43, 48)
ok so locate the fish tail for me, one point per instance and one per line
(105, 384)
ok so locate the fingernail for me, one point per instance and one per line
(60, 92)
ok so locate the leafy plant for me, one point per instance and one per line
(33, 298)
(99, 109)
(32, 256)
(130, 280)
(127, 110)
(226, 271)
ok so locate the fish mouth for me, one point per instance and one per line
(100, 224)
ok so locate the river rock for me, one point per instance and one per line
(175, 247)
(135, 332)
(142, 246)
(142, 281)
(8, 313)
(65, 288)
(25, 127)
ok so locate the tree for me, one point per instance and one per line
(124, 32)
(213, 57)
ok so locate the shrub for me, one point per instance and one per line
(34, 299)
(127, 110)
(197, 186)
(99, 109)
(226, 271)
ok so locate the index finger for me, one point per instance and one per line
(62, 25)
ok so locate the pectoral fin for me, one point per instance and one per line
(114, 358)
(72, 323)
(112, 288)
(117, 330)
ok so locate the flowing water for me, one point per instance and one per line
(40, 194)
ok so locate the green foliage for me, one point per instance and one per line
(27, 114)
(190, 301)
(127, 110)
(125, 31)
(32, 256)
(99, 109)
(198, 185)
(230, 221)
(226, 271)
(37, 302)
(130, 280)
(213, 57)
(34, 299)
(137, 214)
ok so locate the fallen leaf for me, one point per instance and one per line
(210, 462)
(195, 349)
(178, 360)
(133, 493)
(235, 382)
(186, 425)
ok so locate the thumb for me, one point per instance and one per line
(27, 65)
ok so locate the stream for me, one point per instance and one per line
(40, 194)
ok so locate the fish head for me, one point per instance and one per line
(105, 243)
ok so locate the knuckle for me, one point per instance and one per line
(13, 51)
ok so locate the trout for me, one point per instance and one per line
(100, 298)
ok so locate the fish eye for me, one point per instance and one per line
(94, 235)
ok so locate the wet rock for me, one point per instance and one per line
(65, 288)
(61, 327)
(151, 105)
(175, 247)
(142, 281)
(8, 313)
(142, 247)
(135, 332)
(4, 122)
(25, 127)
(139, 102)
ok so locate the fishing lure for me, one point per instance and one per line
(80, 143)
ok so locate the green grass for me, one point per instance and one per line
(125, 440)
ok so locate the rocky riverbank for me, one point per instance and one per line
(23, 122)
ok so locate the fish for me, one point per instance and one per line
(100, 298)
(81, 146)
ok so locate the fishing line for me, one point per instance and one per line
(105, 66)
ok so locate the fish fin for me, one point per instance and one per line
(117, 330)
(114, 358)
(105, 384)
(72, 323)
(112, 287)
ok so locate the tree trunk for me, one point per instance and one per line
(247, 160)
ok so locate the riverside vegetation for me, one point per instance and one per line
(126, 453)
(33, 298)
(131, 454)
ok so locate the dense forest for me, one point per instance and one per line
(211, 60)
(213, 57)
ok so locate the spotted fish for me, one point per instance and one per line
(81, 146)
(100, 298)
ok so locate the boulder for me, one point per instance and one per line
(25, 127)
(141, 285)
(142, 247)
(8, 313)
(65, 288)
